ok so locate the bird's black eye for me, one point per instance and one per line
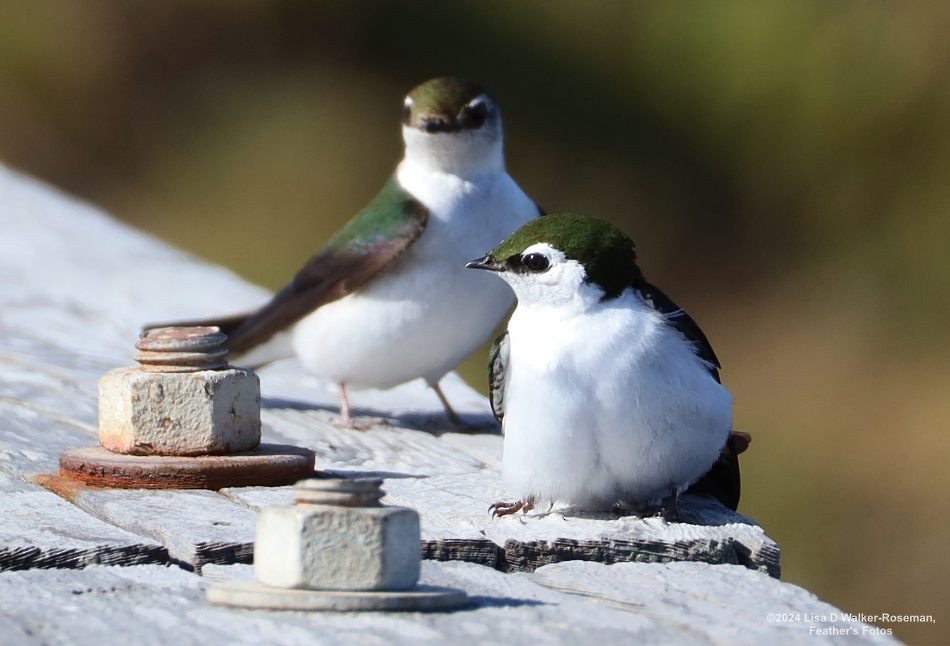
(406, 113)
(536, 262)
(473, 115)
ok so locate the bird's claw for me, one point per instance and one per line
(499, 509)
(655, 512)
(668, 511)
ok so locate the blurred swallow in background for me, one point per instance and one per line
(388, 299)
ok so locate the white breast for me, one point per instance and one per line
(607, 406)
(425, 312)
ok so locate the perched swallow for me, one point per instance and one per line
(387, 299)
(608, 392)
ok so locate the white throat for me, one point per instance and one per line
(464, 153)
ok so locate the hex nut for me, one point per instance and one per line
(208, 412)
(322, 547)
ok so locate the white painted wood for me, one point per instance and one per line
(197, 527)
(76, 285)
(568, 603)
(41, 530)
(72, 317)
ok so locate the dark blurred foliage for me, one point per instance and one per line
(783, 167)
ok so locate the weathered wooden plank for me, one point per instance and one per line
(454, 507)
(456, 526)
(438, 542)
(711, 535)
(40, 530)
(196, 527)
(9, 483)
(726, 604)
(570, 603)
(32, 438)
(66, 320)
(48, 379)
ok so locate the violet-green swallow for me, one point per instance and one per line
(387, 299)
(608, 393)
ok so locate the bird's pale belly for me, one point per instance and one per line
(604, 429)
(590, 457)
(415, 322)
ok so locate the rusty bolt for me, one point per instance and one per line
(182, 399)
(182, 349)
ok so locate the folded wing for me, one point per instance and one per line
(375, 237)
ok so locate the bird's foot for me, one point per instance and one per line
(499, 509)
(347, 420)
(668, 514)
(668, 510)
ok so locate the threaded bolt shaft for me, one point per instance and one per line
(340, 492)
(182, 349)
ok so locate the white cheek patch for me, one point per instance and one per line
(561, 282)
(569, 275)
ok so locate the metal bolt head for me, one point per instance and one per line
(338, 537)
(207, 412)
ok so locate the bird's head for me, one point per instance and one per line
(452, 125)
(562, 258)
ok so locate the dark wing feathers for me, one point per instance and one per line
(683, 322)
(722, 481)
(371, 240)
(497, 364)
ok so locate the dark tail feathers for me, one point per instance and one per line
(722, 481)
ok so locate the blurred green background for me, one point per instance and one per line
(783, 167)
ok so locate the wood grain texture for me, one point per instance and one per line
(567, 603)
(196, 527)
(456, 526)
(40, 530)
(48, 384)
(70, 318)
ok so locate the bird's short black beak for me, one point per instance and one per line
(486, 262)
(438, 123)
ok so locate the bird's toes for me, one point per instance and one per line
(669, 513)
(653, 511)
(500, 508)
